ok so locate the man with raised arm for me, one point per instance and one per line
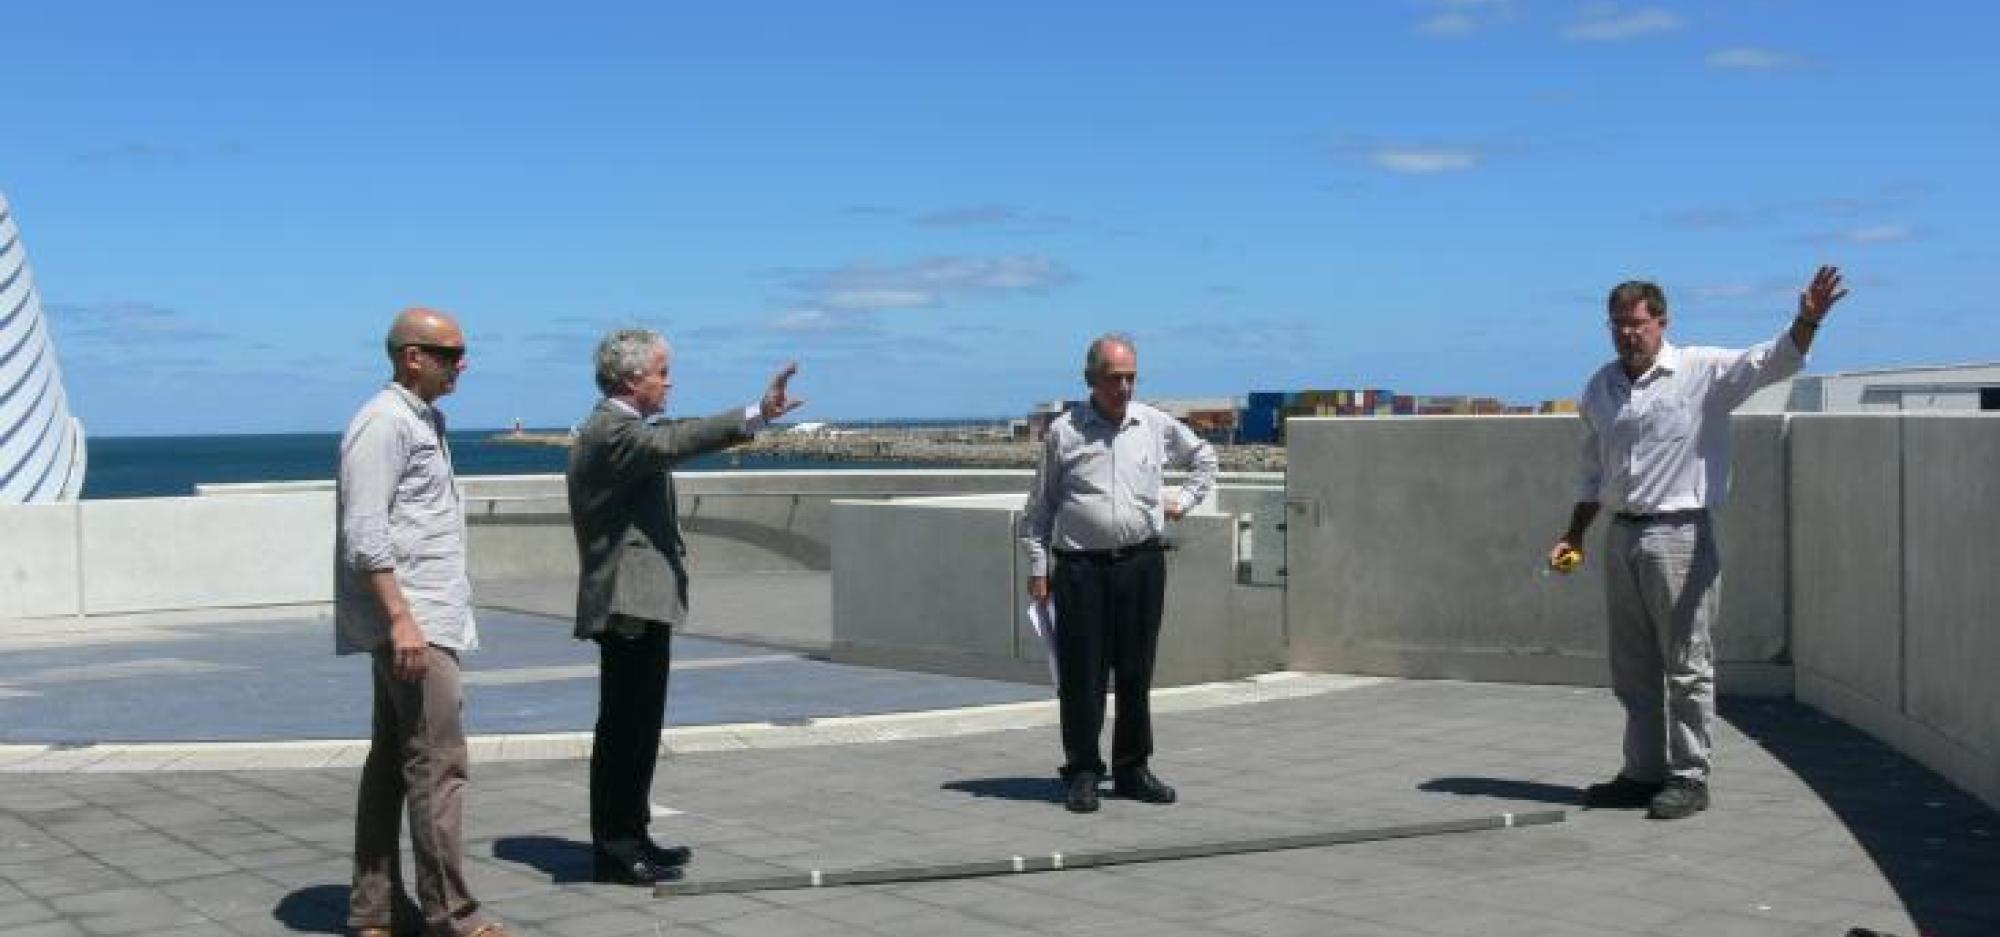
(1656, 453)
(632, 584)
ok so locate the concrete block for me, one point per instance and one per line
(1415, 548)
(924, 576)
(1951, 498)
(168, 553)
(38, 561)
(1197, 630)
(1752, 627)
(1846, 568)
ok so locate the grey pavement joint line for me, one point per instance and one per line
(1066, 861)
(120, 757)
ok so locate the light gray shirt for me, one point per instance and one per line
(398, 509)
(1661, 443)
(1099, 485)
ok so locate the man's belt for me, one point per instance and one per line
(1113, 555)
(1660, 517)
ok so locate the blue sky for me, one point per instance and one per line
(933, 207)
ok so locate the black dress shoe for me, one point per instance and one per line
(1621, 793)
(667, 856)
(1082, 796)
(1140, 784)
(611, 870)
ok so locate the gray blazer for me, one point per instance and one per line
(631, 559)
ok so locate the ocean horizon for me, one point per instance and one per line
(171, 466)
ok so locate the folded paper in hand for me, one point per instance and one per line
(1042, 618)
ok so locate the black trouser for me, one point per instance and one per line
(1107, 622)
(631, 706)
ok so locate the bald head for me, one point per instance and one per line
(420, 326)
(427, 349)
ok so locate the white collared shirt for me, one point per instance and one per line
(1661, 443)
(1099, 485)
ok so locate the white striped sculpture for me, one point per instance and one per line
(41, 445)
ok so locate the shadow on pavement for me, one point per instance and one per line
(1936, 845)
(315, 909)
(322, 909)
(1046, 790)
(1505, 789)
(563, 860)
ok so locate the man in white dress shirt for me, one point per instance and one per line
(1098, 503)
(1656, 453)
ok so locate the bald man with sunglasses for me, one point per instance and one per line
(402, 596)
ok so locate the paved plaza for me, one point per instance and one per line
(1815, 828)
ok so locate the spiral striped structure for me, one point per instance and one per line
(41, 445)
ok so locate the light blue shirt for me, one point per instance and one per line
(398, 509)
(1100, 485)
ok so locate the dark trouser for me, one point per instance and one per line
(416, 758)
(631, 706)
(1107, 622)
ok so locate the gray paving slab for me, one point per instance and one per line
(273, 675)
(1815, 829)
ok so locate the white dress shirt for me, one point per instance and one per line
(1099, 485)
(1661, 443)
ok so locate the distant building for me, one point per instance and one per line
(1952, 388)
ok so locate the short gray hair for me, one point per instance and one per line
(626, 354)
(1093, 360)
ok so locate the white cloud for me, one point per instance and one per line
(1424, 160)
(1448, 26)
(928, 282)
(128, 323)
(1726, 291)
(1456, 19)
(812, 320)
(991, 216)
(880, 298)
(1607, 22)
(1750, 58)
(1878, 234)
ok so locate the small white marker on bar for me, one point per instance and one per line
(1507, 820)
(816, 878)
(1020, 865)
(1055, 860)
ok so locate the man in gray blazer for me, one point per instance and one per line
(632, 584)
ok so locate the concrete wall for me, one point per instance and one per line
(38, 560)
(939, 584)
(1416, 546)
(106, 557)
(1895, 594)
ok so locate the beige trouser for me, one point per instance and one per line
(416, 757)
(1662, 582)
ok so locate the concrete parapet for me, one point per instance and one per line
(39, 560)
(148, 554)
(939, 584)
(1416, 548)
(1894, 583)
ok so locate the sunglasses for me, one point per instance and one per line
(448, 354)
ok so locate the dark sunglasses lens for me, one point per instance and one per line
(449, 354)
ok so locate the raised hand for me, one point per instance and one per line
(1817, 299)
(777, 400)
